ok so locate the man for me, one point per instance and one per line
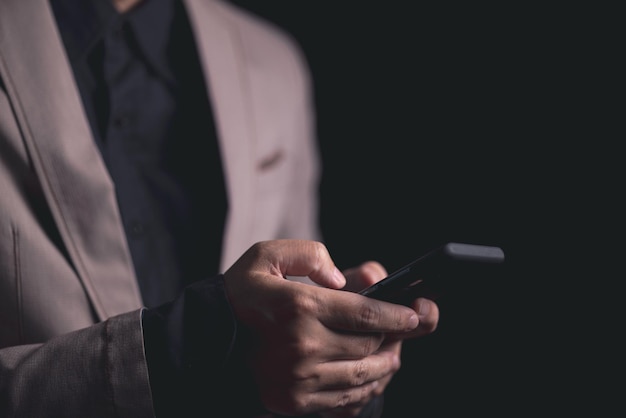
(144, 244)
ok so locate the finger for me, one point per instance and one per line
(349, 400)
(349, 396)
(342, 345)
(298, 258)
(364, 275)
(331, 385)
(428, 313)
(292, 404)
(344, 374)
(352, 312)
(354, 409)
(394, 347)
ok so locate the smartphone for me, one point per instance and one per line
(437, 272)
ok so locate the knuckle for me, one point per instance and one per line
(302, 305)
(370, 314)
(345, 398)
(359, 374)
(320, 252)
(369, 345)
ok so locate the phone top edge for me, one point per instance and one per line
(486, 253)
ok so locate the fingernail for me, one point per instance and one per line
(423, 308)
(396, 362)
(339, 278)
(413, 321)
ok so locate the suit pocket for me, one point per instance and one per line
(271, 161)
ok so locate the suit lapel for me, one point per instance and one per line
(221, 53)
(65, 158)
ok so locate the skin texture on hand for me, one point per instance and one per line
(359, 278)
(316, 348)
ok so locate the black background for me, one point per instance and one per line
(476, 124)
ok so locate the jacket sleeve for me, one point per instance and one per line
(99, 371)
(194, 364)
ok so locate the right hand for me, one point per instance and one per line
(314, 348)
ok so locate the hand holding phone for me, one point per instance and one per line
(436, 272)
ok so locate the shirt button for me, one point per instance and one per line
(121, 122)
(118, 31)
(137, 229)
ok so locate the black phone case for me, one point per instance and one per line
(437, 272)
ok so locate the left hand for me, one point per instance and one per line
(358, 278)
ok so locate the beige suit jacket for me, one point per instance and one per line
(70, 331)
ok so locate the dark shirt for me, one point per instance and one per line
(145, 97)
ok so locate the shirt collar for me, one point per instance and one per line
(83, 23)
(151, 22)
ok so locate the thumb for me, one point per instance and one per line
(304, 258)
